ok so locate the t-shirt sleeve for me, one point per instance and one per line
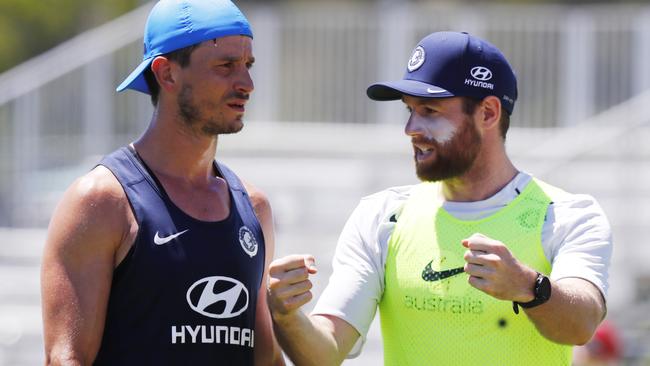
(580, 244)
(357, 281)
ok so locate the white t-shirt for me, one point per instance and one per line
(576, 238)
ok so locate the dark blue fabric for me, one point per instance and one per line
(189, 300)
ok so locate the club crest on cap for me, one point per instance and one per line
(417, 59)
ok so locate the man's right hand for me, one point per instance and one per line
(306, 339)
(289, 285)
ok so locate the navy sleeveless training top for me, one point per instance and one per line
(186, 292)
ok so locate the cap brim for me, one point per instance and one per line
(393, 90)
(136, 80)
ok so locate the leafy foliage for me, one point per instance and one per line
(30, 27)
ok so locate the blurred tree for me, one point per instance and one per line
(29, 27)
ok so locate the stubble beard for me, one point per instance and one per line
(453, 158)
(191, 115)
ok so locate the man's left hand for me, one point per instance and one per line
(494, 270)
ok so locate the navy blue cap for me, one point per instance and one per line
(448, 64)
(176, 24)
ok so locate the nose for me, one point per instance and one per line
(244, 83)
(413, 126)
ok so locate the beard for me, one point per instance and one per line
(193, 117)
(452, 158)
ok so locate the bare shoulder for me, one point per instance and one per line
(99, 183)
(258, 198)
(98, 192)
(94, 207)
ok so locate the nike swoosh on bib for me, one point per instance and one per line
(429, 275)
(164, 240)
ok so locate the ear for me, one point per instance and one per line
(490, 112)
(165, 73)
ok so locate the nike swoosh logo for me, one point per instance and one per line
(429, 275)
(431, 91)
(164, 240)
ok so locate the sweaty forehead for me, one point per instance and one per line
(242, 41)
(232, 48)
(233, 45)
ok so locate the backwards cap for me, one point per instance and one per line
(176, 24)
(448, 64)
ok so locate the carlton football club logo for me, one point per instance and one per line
(247, 241)
(417, 59)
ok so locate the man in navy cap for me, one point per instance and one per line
(480, 264)
(158, 255)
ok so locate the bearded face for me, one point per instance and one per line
(216, 85)
(445, 141)
(209, 120)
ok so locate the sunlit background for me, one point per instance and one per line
(313, 141)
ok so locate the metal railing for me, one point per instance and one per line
(315, 61)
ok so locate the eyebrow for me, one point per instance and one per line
(233, 60)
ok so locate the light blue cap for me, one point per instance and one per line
(175, 24)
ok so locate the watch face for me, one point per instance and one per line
(543, 288)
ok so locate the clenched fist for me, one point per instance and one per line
(289, 285)
(494, 270)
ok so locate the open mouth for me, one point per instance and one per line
(239, 107)
(423, 152)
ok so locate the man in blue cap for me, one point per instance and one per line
(453, 262)
(157, 256)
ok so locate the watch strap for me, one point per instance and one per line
(541, 293)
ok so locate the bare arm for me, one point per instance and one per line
(307, 340)
(267, 350)
(83, 245)
(573, 312)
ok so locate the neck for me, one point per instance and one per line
(173, 149)
(487, 176)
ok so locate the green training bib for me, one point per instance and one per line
(429, 313)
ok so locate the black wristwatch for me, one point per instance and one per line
(541, 290)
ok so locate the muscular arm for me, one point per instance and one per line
(307, 340)
(573, 312)
(83, 245)
(323, 338)
(315, 339)
(267, 350)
